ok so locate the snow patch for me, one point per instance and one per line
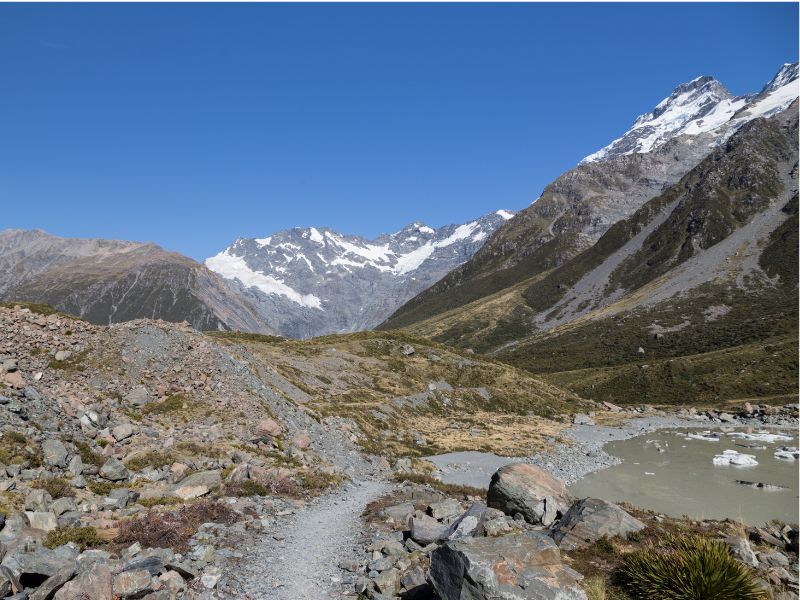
(506, 214)
(235, 267)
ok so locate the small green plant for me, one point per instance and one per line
(73, 363)
(245, 488)
(172, 404)
(159, 501)
(103, 488)
(89, 456)
(595, 588)
(57, 487)
(153, 459)
(84, 537)
(317, 481)
(15, 449)
(688, 568)
(447, 488)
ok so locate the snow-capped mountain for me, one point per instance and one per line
(703, 106)
(312, 281)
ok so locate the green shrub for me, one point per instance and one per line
(89, 456)
(688, 568)
(85, 537)
(57, 487)
(15, 449)
(103, 488)
(153, 459)
(159, 501)
(172, 404)
(245, 488)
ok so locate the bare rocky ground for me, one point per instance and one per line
(146, 460)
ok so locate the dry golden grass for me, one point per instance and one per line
(478, 403)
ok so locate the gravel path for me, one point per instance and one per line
(299, 560)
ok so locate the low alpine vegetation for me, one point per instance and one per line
(688, 568)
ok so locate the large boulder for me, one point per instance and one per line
(591, 519)
(197, 484)
(54, 453)
(524, 566)
(113, 470)
(523, 489)
(94, 583)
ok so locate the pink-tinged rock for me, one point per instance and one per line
(94, 584)
(177, 472)
(269, 427)
(133, 584)
(301, 440)
(14, 380)
(527, 490)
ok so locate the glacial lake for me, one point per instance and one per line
(681, 479)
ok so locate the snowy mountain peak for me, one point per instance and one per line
(786, 74)
(700, 106)
(313, 280)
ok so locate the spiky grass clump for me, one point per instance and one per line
(688, 568)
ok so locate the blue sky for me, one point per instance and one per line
(193, 124)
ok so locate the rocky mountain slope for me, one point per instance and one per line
(710, 264)
(576, 209)
(313, 281)
(109, 281)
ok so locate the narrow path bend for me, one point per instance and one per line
(300, 559)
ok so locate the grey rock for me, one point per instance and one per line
(525, 566)
(62, 505)
(589, 520)
(400, 513)
(123, 431)
(138, 396)
(52, 584)
(113, 470)
(42, 562)
(444, 508)
(75, 466)
(55, 453)
(427, 530)
(46, 521)
(196, 485)
(38, 501)
(133, 584)
(741, 550)
(93, 583)
(520, 488)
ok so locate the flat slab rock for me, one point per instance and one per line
(524, 566)
(589, 520)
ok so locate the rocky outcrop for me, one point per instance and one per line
(523, 566)
(590, 519)
(528, 491)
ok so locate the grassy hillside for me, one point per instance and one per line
(763, 371)
(434, 400)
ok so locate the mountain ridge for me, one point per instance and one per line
(310, 281)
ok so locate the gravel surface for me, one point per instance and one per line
(299, 559)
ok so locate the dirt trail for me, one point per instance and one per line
(299, 560)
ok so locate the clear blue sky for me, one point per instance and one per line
(193, 124)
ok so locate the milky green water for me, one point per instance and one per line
(682, 480)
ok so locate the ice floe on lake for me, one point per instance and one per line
(732, 457)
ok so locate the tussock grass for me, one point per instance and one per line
(688, 568)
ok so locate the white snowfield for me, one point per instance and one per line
(234, 267)
(329, 255)
(734, 458)
(703, 105)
